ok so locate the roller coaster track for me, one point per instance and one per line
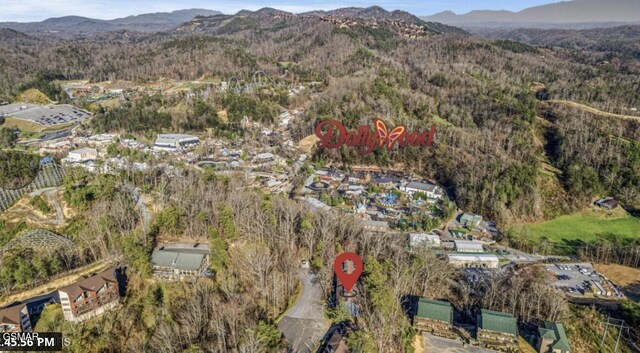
(259, 79)
(49, 175)
(41, 240)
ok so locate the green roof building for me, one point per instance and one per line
(174, 265)
(497, 330)
(553, 339)
(498, 322)
(433, 316)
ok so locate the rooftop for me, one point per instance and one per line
(92, 283)
(11, 315)
(177, 260)
(83, 150)
(434, 310)
(555, 331)
(498, 322)
(474, 257)
(421, 186)
(468, 245)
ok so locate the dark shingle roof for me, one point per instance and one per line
(434, 310)
(498, 322)
(93, 283)
(11, 315)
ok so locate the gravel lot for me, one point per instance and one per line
(444, 345)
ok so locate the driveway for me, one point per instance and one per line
(304, 324)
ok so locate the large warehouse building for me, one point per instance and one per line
(175, 142)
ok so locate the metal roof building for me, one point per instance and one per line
(172, 142)
(468, 246)
(177, 260)
(552, 336)
(497, 322)
(435, 310)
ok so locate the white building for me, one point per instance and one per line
(82, 155)
(175, 142)
(432, 191)
(428, 239)
(102, 139)
(474, 261)
(468, 246)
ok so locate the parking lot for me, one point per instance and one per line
(47, 115)
(578, 279)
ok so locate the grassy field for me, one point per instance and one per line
(585, 226)
(626, 277)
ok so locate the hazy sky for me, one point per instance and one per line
(37, 10)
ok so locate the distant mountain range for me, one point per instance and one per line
(400, 21)
(566, 14)
(152, 22)
(371, 12)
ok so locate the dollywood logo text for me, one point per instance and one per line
(333, 134)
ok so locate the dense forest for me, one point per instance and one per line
(509, 146)
(479, 91)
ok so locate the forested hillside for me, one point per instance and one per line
(489, 149)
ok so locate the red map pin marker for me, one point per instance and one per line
(348, 280)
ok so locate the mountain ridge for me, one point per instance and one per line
(149, 22)
(564, 14)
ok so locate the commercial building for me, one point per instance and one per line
(432, 191)
(91, 296)
(497, 330)
(428, 239)
(433, 316)
(15, 319)
(180, 265)
(82, 155)
(474, 260)
(468, 246)
(175, 142)
(552, 339)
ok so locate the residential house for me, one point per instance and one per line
(174, 265)
(15, 319)
(90, 296)
(552, 339)
(434, 316)
(497, 330)
(336, 344)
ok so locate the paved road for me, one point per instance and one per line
(51, 195)
(304, 324)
